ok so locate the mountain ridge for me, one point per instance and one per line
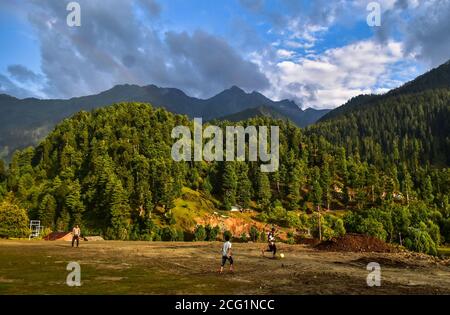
(436, 78)
(23, 122)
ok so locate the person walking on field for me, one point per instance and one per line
(226, 254)
(271, 243)
(76, 233)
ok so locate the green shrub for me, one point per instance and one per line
(180, 236)
(200, 233)
(169, 234)
(372, 227)
(212, 232)
(338, 227)
(446, 230)
(227, 233)
(420, 241)
(352, 221)
(254, 233)
(263, 236)
(244, 237)
(156, 234)
(434, 232)
(292, 219)
(290, 240)
(263, 217)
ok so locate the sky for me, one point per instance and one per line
(317, 53)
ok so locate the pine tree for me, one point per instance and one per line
(229, 185)
(325, 182)
(119, 209)
(427, 190)
(3, 174)
(244, 186)
(47, 211)
(264, 192)
(317, 194)
(74, 203)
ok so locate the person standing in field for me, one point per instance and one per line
(271, 242)
(76, 233)
(226, 254)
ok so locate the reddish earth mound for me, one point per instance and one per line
(357, 243)
(59, 236)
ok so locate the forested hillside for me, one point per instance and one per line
(25, 122)
(437, 78)
(110, 169)
(412, 129)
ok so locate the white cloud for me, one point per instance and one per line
(285, 54)
(330, 79)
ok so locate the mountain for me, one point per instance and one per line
(260, 111)
(406, 127)
(23, 122)
(437, 78)
(237, 100)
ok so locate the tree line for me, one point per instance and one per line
(109, 169)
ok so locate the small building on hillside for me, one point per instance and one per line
(236, 208)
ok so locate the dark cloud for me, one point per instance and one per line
(23, 74)
(9, 87)
(152, 7)
(113, 46)
(425, 33)
(253, 5)
(207, 57)
(428, 34)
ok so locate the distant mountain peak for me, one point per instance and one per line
(290, 103)
(236, 88)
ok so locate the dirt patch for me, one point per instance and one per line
(4, 280)
(114, 267)
(356, 243)
(388, 262)
(307, 241)
(109, 278)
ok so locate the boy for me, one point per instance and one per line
(226, 254)
(271, 240)
(76, 232)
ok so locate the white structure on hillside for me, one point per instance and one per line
(35, 228)
(236, 208)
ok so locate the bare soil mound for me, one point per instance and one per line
(59, 236)
(356, 243)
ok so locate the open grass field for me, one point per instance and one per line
(444, 251)
(114, 267)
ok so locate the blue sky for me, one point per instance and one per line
(317, 53)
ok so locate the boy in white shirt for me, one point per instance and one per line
(76, 233)
(226, 254)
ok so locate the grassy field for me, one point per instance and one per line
(444, 251)
(110, 267)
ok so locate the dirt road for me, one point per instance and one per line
(39, 267)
